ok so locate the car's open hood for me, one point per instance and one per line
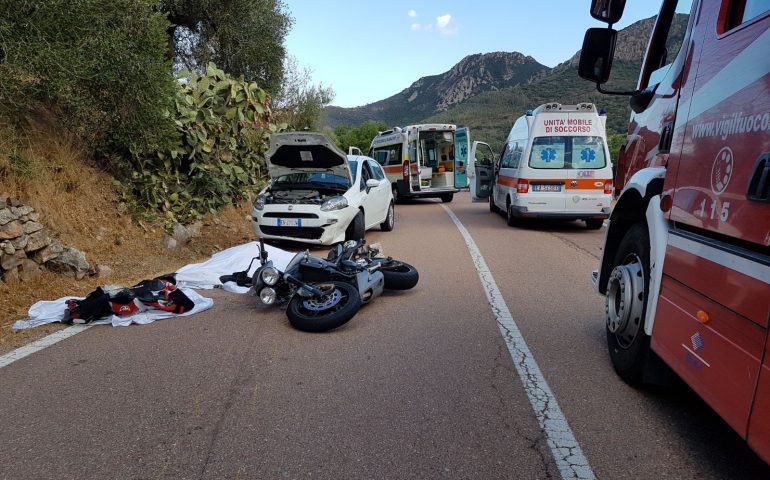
(305, 152)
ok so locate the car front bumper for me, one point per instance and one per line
(303, 223)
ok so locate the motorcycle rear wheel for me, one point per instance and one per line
(338, 305)
(399, 275)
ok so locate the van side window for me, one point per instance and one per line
(508, 156)
(388, 155)
(742, 11)
(413, 151)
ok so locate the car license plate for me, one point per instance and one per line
(289, 222)
(537, 187)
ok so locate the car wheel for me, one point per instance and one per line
(594, 223)
(510, 218)
(626, 305)
(492, 207)
(356, 229)
(447, 197)
(390, 219)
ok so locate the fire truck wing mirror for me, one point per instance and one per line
(608, 11)
(596, 54)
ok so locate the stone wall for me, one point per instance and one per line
(26, 246)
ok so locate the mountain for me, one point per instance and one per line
(474, 74)
(490, 113)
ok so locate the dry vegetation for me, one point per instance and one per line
(80, 205)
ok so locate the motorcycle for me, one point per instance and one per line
(323, 294)
(354, 255)
(317, 299)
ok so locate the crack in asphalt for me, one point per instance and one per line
(575, 246)
(566, 451)
(240, 380)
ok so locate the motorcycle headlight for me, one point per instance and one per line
(334, 203)
(259, 203)
(270, 276)
(267, 295)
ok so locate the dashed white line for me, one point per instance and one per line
(38, 345)
(564, 447)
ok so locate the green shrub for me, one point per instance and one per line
(224, 126)
(101, 64)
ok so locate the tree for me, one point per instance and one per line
(99, 64)
(614, 142)
(358, 135)
(243, 37)
(299, 103)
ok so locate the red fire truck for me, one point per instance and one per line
(686, 262)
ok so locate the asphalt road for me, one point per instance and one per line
(420, 384)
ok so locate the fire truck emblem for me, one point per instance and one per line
(697, 341)
(722, 170)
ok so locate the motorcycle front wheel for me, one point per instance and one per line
(338, 304)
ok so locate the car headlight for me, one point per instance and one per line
(334, 203)
(267, 295)
(270, 276)
(259, 203)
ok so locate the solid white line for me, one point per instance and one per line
(564, 447)
(40, 344)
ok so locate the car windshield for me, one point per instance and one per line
(574, 153)
(316, 179)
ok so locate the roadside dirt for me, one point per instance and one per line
(80, 206)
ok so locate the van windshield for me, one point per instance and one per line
(573, 153)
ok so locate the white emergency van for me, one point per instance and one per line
(555, 164)
(427, 160)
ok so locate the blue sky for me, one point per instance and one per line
(367, 50)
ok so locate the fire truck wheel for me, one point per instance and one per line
(626, 305)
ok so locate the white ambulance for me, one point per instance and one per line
(427, 160)
(555, 164)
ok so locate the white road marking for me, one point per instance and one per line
(564, 447)
(40, 344)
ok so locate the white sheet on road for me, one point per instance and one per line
(235, 259)
(203, 275)
(50, 311)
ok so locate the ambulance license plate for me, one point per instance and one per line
(289, 222)
(538, 187)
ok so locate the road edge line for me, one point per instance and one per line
(561, 440)
(40, 344)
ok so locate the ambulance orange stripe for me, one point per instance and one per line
(569, 184)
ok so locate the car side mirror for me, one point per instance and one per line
(371, 183)
(596, 54)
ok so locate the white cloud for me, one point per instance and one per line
(445, 25)
(412, 14)
(417, 27)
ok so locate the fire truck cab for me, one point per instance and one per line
(686, 261)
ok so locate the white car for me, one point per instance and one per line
(318, 194)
